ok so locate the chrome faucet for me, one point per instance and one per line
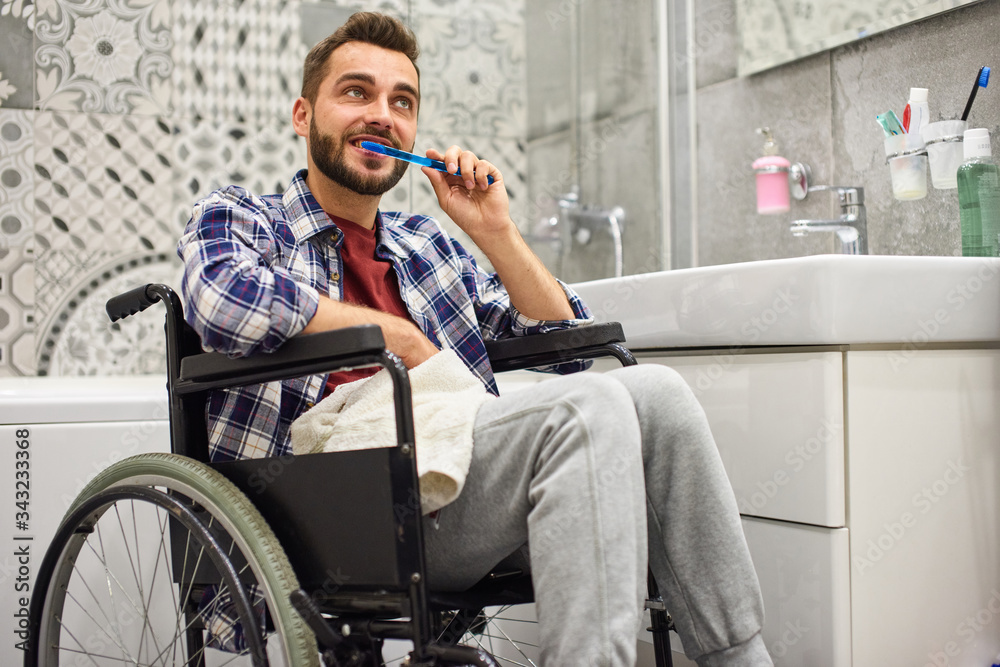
(852, 226)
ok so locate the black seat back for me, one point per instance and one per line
(345, 519)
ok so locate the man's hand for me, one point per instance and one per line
(480, 209)
(402, 337)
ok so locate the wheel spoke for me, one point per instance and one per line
(66, 649)
(500, 657)
(110, 576)
(83, 580)
(513, 643)
(516, 644)
(119, 642)
(180, 629)
(136, 565)
(163, 556)
(107, 575)
(73, 637)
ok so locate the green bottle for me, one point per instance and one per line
(979, 197)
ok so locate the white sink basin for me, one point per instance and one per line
(816, 300)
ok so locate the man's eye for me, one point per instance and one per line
(353, 92)
(405, 103)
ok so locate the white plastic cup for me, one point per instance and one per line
(907, 158)
(944, 151)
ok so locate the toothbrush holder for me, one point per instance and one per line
(906, 155)
(944, 151)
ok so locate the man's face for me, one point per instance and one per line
(368, 94)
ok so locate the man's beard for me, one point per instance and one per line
(328, 157)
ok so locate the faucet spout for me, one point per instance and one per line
(851, 227)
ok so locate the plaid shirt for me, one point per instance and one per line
(254, 270)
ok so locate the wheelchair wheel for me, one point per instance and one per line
(509, 633)
(152, 557)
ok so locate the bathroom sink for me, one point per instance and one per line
(816, 300)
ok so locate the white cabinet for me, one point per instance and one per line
(56, 434)
(869, 481)
(924, 518)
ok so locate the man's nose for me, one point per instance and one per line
(378, 114)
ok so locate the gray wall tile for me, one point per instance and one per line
(16, 58)
(875, 75)
(618, 167)
(715, 41)
(822, 111)
(549, 88)
(611, 161)
(617, 58)
(729, 228)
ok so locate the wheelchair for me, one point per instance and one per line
(169, 559)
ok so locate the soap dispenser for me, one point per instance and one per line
(772, 178)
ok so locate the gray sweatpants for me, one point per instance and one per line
(588, 469)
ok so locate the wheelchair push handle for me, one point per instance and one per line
(132, 302)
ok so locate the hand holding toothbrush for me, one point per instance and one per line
(475, 198)
(481, 208)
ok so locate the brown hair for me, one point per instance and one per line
(369, 27)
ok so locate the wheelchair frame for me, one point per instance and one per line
(381, 589)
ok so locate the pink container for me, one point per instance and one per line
(772, 184)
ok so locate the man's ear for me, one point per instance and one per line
(301, 115)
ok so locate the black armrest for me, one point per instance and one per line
(364, 346)
(303, 355)
(557, 347)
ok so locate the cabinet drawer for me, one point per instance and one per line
(778, 420)
(804, 574)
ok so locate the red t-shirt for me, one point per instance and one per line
(368, 281)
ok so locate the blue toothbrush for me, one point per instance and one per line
(410, 157)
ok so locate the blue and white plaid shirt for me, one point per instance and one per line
(255, 267)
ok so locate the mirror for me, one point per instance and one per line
(773, 32)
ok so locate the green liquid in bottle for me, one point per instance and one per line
(979, 208)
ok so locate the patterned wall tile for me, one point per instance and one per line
(58, 273)
(511, 11)
(20, 9)
(17, 22)
(208, 155)
(103, 55)
(473, 79)
(103, 182)
(77, 338)
(17, 311)
(398, 8)
(16, 178)
(237, 60)
(17, 290)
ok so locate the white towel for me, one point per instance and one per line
(360, 415)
